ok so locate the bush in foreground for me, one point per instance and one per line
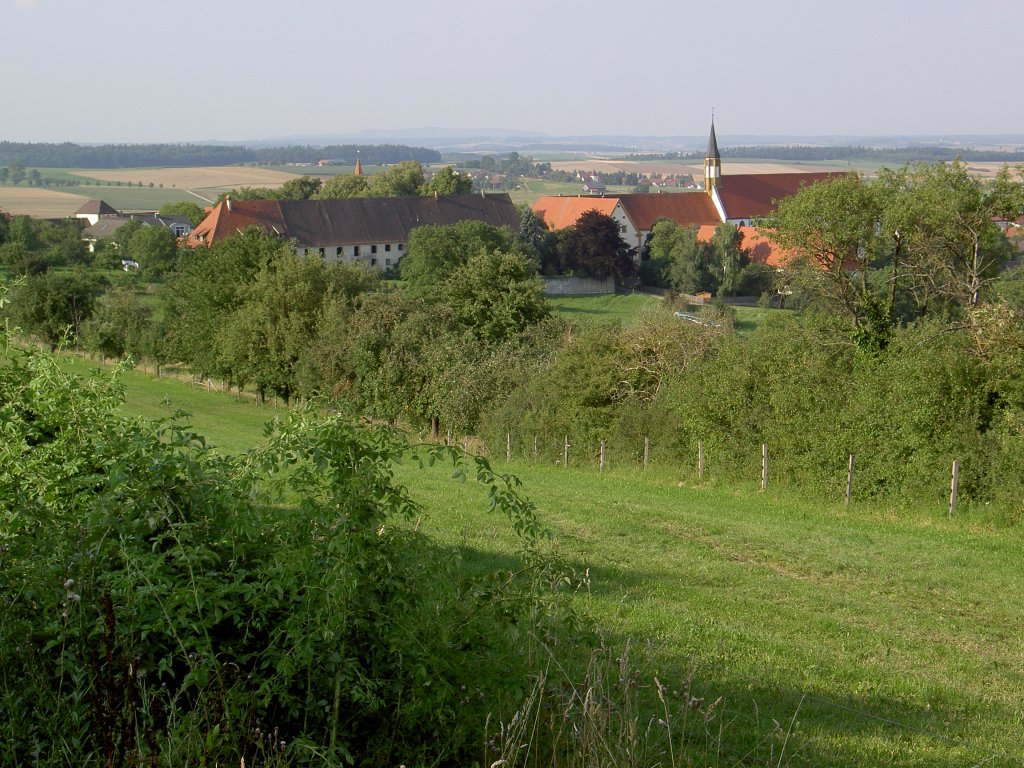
(164, 603)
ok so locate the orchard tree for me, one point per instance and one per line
(154, 248)
(496, 295)
(594, 246)
(535, 239)
(186, 208)
(448, 181)
(832, 230)
(268, 334)
(435, 252)
(24, 230)
(691, 263)
(208, 287)
(344, 186)
(302, 188)
(951, 247)
(52, 305)
(118, 326)
(405, 179)
(64, 244)
(389, 351)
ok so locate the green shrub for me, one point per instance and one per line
(163, 601)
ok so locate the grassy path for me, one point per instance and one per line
(895, 640)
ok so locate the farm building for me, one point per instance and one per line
(369, 230)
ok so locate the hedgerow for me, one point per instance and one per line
(165, 604)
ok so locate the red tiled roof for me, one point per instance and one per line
(562, 212)
(684, 208)
(221, 222)
(752, 195)
(759, 248)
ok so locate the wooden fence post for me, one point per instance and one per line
(954, 487)
(602, 455)
(535, 446)
(700, 460)
(647, 452)
(849, 481)
(565, 453)
(764, 466)
(508, 446)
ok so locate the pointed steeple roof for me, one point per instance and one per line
(713, 144)
(359, 166)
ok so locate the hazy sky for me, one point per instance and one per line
(138, 71)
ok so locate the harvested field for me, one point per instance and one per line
(39, 202)
(195, 178)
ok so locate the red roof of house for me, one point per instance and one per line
(684, 208)
(562, 212)
(221, 222)
(753, 195)
(759, 248)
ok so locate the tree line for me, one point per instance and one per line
(405, 179)
(809, 153)
(70, 155)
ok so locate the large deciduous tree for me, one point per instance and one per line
(951, 245)
(208, 286)
(154, 248)
(435, 252)
(52, 305)
(691, 263)
(119, 326)
(594, 246)
(496, 295)
(831, 228)
(404, 179)
(186, 208)
(448, 181)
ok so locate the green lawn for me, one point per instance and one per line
(626, 308)
(875, 637)
(621, 308)
(893, 640)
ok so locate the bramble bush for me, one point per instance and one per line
(163, 603)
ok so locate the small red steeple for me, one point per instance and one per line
(359, 165)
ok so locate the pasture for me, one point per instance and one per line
(872, 636)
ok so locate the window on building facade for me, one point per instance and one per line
(373, 249)
(387, 247)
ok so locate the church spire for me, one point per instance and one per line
(713, 143)
(712, 161)
(359, 166)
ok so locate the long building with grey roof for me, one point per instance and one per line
(369, 230)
